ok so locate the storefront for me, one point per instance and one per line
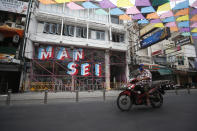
(61, 68)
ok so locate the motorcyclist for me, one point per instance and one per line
(145, 80)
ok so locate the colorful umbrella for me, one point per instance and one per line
(47, 2)
(155, 21)
(169, 19)
(74, 6)
(166, 14)
(194, 24)
(62, 1)
(124, 17)
(184, 29)
(149, 9)
(174, 29)
(186, 34)
(194, 34)
(124, 3)
(101, 12)
(171, 24)
(194, 18)
(132, 10)
(193, 12)
(116, 11)
(89, 5)
(183, 24)
(164, 7)
(182, 12)
(106, 4)
(142, 3)
(138, 16)
(159, 25)
(183, 18)
(194, 30)
(152, 16)
(181, 5)
(143, 21)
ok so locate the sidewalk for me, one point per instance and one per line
(71, 96)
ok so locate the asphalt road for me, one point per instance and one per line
(179, 113)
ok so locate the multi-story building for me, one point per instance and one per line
(69, 49)
(12, 21)
(170, 54)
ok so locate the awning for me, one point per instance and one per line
(165, 71)
(10, 31)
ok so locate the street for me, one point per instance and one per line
(177, 114)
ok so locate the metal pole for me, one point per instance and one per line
(176, 91)
(8, 97)
(45, 96)
(104, 90)
(77, 96)
(188, 89)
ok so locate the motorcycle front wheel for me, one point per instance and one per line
(124, 102)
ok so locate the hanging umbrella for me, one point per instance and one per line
(194, 30)
(124, 3)
(106, 4)
(171, 24)
(164, 7)
(152, 16)
(89, 5)
(101, 12)
(182, 12)
(194, 34)
(169, 19)
(166, 14)
(159, 2)
(144, 21)
(142, 3)
(194, 24)
(193, 12)
(62, 1)
(116, 11)
(194, 18)
(183, 18)
(159, 25)
(47, 2)
(186, 34)
(132, 10)
(181, 5)
(74, 6)
(124, 17)
(149, 9)
(155, 21)
(174, 29)
(184, 29)
(138, 16)
(183, 24)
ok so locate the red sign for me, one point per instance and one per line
(157, 52)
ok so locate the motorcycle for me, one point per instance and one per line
(135, 95)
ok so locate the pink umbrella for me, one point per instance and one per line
(132, 10)
(167, 14)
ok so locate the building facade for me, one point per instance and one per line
(74, 49)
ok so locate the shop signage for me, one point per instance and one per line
(14, 6)
(62, 54)
(156, 37)
(6, 58)
(185, 40)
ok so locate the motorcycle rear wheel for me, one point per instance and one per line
(124, 102)
(157, 100)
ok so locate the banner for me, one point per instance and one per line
(14, 6)
(156, 37)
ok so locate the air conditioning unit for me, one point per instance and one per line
(15, 38)
(10, 24)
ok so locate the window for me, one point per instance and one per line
(117, 37)
(81, 32)
(68, 30)
(180, 60)
(50, 28)
(97, 35)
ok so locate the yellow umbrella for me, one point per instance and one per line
(159, 25)
(47, 2)
(124, 3)
(164, 7)
(194, 30)
(183, 18)
(62, 1)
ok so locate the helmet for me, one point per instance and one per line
(141, 67)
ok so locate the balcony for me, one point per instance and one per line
(55, 12)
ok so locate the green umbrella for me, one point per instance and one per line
(159, 2)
